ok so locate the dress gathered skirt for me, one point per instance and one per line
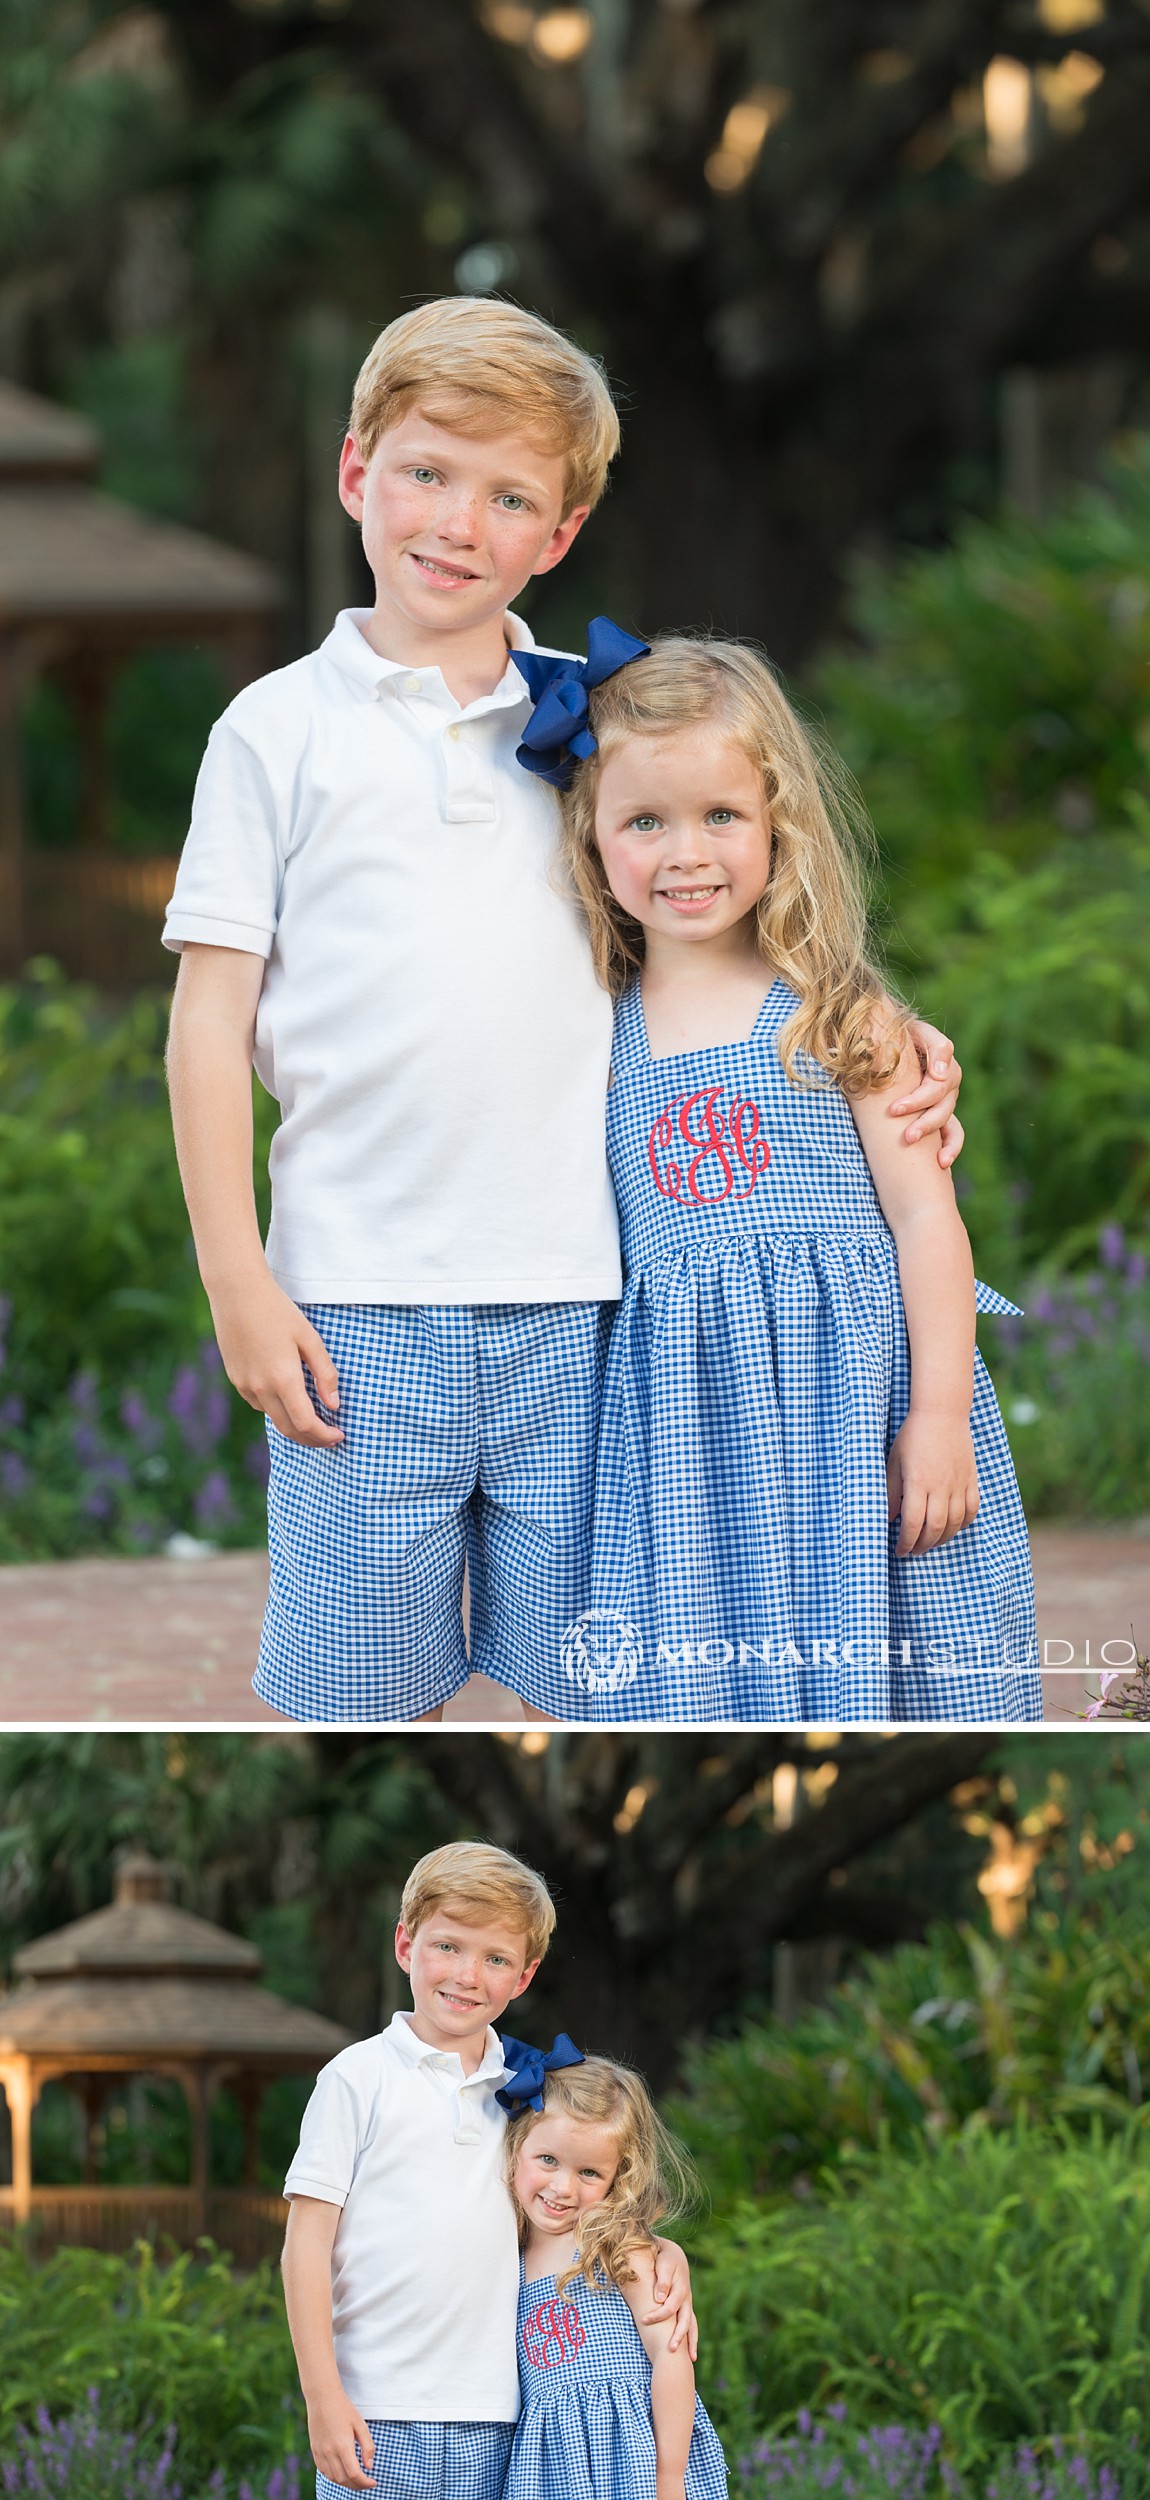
(757, 1374)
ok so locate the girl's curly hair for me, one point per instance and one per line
(655, 2177)
(812, 918)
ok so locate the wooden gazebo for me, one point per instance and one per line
(146, 1988)
(86, 582)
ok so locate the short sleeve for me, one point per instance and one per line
(330, 2138)
(228, 880)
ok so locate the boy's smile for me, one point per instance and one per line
(453, 526)
(463, 1977)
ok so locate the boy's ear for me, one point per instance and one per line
(403, 1942)
(352, 477)
(524, 1982)
(562, 537)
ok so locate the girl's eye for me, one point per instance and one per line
(721, 816)
(644, 824)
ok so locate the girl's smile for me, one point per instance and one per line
(684, 832)
(565, 2164)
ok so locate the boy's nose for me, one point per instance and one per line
(460, 522)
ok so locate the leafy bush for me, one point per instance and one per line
(997, 2284)
(188, 2344)
(1080, 1355)
(116, 1423)
(1000, 693)
(1052, 2026)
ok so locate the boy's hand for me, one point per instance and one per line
(672, 2297)
(335, 2431)
(265, 1341)
(932, 1479)
(932, 1102)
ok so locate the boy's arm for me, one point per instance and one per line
(931, 1473)
(672, 2381)
(935, 1081)
(262, 1335)
(334, 2427)
(672, 2296)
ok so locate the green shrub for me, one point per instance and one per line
(997, 2284)
(187, 2343)
(1053, 2026)
(116, 1423)
(999, 696)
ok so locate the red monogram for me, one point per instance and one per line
(552, 2333)
(720, 1140)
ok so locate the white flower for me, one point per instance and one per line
(1024, 1411)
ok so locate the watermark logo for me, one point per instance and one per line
(601, 1651)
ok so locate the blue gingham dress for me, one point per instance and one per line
(758, 1371)
(585, 2429)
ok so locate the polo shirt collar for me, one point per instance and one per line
(349, 650)
(415, 2052)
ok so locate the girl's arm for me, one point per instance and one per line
(931, 1473)
(672, 2380)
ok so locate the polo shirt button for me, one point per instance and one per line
(453, 732)
(411, 685)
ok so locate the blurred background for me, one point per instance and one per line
(892, 1993)
(870, 279)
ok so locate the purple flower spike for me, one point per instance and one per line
(1112, 1245)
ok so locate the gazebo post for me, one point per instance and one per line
(249, 2092)
(22, 2091)
(196, 2087)
(87, 675)
(11, 810)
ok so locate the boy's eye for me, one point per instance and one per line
(514, 503)
(425, 477)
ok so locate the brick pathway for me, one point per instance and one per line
(174, 1642)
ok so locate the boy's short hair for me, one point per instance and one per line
(471, 1877)
(481, 367)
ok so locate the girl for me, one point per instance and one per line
(805, 1502)
(608, 2412)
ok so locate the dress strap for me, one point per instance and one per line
(629, 1050)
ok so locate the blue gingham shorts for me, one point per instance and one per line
(433, 2461)
(469, 1435)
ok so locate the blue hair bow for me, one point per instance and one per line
(557, 732)
(530, 2068)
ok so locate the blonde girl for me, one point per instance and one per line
(805, 1505)
(609, 2412)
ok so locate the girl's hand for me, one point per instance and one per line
(932, 1102)
(671, 2297)
(932, 1479)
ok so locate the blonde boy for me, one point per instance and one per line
(366, 906)
(401, 2262)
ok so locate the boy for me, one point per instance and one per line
(401, 2265)
(366, 905)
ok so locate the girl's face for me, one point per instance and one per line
(684, 833)
(564, 2165)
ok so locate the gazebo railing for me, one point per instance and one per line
(98, 912)
(248, 2222)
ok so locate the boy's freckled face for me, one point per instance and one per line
(564, 2165)
(463, 1975)
(684, 832)
(454, 524)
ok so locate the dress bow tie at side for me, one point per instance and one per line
(530, 2068)
(557, 735)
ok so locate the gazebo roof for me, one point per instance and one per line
(38, 439)
(145, 1977)
(68, 554)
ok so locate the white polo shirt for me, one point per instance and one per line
(430, 1022)
(425, 2270)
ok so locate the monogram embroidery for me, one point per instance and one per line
(552, 2334)
(726, 1144)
